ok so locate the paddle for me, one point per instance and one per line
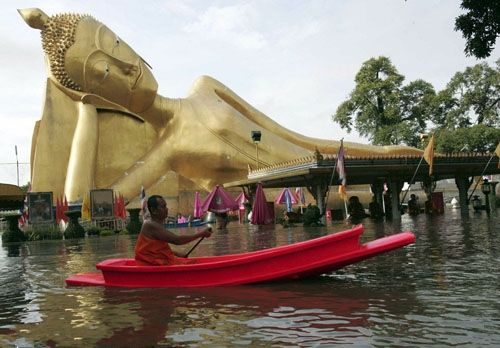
(198, 242)
(194, 247)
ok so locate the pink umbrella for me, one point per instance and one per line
(219, 201)
(287, 197)
(299, 192)
(262, 214)
(197, 213)
(242, 198)
(282, 197)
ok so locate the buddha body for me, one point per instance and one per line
(104, 125)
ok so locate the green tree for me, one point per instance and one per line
(467, 111)
(25, 187)
(384, 110)
(478, 138)
(480, 26)
(471, 97)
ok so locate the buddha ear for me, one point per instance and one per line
(34, 17)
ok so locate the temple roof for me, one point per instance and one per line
(366, 169)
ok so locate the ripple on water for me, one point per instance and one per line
(441, 291)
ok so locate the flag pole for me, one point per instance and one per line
(410, 183)
(383, 201)
(17, 165)
(428, 155)
(477, 183)
(331, 177)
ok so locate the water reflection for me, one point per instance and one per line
(261, 237)
(279, 313)
(441, 291)
(14, 285)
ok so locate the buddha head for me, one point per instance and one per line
(85, 55)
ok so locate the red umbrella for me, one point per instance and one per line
(198, 212)
(219, 201)
(261, 212)
(58, 211)
(64, 208)
(120, 207)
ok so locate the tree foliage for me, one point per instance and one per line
(25, 187)
(471, 97)
(480, 26)
(478, 138)
(465, 115)
(383, 109)
(467, 111)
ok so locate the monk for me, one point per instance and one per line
(152, 247)
(110, 128)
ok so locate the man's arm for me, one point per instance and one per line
(155, 231)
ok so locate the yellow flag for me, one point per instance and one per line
(429, 154)
(343, 192)
(86, 207)
(497, 151)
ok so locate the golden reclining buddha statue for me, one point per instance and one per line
(104, 125)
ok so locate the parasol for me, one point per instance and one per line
(197, 213)
(261, 213)
(286, 196)
(219, 201)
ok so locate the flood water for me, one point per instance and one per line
(442, 291)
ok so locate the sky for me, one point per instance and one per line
(294, 60)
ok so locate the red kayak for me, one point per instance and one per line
(294, 261)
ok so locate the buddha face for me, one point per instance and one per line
(102, 64)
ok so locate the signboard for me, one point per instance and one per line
(101, 202)
(40, 207)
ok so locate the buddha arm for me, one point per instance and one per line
(147, 171)
(83, 155)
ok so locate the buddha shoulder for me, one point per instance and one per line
(204, 84)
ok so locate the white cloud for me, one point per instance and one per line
(178, 8)
(231, 24)
(297, 33)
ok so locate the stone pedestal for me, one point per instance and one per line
(13, 233)
(134, 225)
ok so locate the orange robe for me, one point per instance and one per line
(156, 252)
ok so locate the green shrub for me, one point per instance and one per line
(93, 231)
(105, 233)
(312, 216)
(47, 233)
(74, 231)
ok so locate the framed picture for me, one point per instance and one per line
(101, 204)
(40, 207)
